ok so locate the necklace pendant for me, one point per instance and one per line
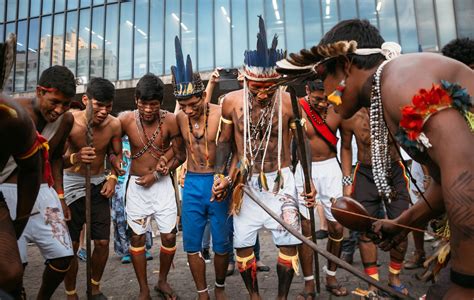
(196, 125)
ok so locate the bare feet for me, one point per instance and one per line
(144, 295)
(334, 287)
(165, 290)
(220, 293)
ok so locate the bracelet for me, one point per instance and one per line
(71, 159)
(218, 176)
(229, 179)
(164, 158)
(61, 196)
(111, 176)
(156, 175)
(346, 180)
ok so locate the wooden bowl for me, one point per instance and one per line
(342, 208)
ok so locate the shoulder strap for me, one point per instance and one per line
(318, 123)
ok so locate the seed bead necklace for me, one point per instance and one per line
(321, 116)
(379, 138)
(191, 136)
(150, 141)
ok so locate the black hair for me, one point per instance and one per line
(59, 77)
(150, 87)
(315, 85)
(365, 34)
(460, 49)
(101, 90)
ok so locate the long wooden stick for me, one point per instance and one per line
(341, 263)
(89, 135)
(307, 184)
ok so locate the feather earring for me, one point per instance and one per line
(336, 96)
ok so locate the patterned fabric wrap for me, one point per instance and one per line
(424, 105)
(119, 218)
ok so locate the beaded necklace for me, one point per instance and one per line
(379, 138)
(313, 113)
(204, 134)
(150, 141)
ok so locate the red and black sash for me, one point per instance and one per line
(319, 124)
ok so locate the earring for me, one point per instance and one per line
(335, 97)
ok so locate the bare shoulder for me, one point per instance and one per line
(231, 100)
(180, 116)
(126, 117)
(215, 109)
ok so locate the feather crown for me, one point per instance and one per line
(260, 64)
(185, 82)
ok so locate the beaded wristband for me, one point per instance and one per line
(114, 177)
(346, 180)
(71, 159)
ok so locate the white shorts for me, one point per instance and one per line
(156, 201)
(327, 179)
(417, 172)
(252, 217)
(47, 230)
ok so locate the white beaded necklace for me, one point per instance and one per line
(379, 139)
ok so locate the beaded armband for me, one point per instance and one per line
(225, 121)
(346, 180)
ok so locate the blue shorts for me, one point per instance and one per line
(197, 209)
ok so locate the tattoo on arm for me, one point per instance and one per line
(223, 152)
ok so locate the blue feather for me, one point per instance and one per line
(189, 70)
(179, 73)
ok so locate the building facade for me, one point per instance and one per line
(122, 40)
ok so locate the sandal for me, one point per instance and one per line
(164, 294)
(399, 288)
(337, 290)
(307, 295)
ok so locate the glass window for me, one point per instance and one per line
(388, 21)
(32, 66)
(20, 64)
(426, 25)
(58, 39)
(255, 9)
(2, 12)
(330, 15)
(11, 10)
(126, 39)
(222, 32)
(1, 32)
(85, 3)
(407, 24)
(71, 41)
(98, 2)
(367, 11)
(35, 8)
(97, 42)
(59, 5)
(72, 4)
(156, 37)
(188, 29)
(348, 9)
(464, 18)
(141, 39)
(111, 38)
(312, 22)
(294, 26)
(23, 9)
(47, 6)
(45, 44)
(9, 84)
(173, 22)
(114, 1)
(446, 24)
(83, 45)
(274, 21)
(205, 38)
(239, 32)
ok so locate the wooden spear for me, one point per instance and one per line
(324, 252)
(89, 136)
(307, 183)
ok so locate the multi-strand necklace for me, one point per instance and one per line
(150, 144)
(379, 139)
(192, 136)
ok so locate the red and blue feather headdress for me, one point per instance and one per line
(260, 64)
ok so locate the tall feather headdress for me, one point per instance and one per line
(260, 64)
(185, 82)
(7, 56)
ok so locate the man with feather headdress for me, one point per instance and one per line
(255, 127)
